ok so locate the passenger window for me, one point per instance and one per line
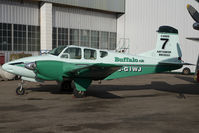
(103, 54)
(90, 54)
(73, 53)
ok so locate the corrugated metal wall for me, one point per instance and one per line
(105, 5)
(142, 19)
(19, 13)
(15, 12)
(83, 19)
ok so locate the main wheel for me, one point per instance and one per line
(79, 94)
(186, 71)
(20, 90)
(66, 86)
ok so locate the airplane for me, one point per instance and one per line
(75, 67)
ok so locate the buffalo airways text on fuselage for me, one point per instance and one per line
(126, 59)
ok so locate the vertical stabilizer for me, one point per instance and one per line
(167, 46)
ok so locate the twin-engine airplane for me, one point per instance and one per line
(81, 65)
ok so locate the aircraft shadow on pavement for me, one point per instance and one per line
(53, 89)
(189, 79)
(105, 91)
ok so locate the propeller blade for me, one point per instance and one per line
(193, 12)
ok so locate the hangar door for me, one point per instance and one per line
(74, 26)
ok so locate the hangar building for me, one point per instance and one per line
(31, 26)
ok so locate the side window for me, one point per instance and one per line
(90, 54)
(103, 54)
(73, 53)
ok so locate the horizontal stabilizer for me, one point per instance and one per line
(176, 63)
(193, 38)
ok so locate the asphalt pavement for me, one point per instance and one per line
(159, 103)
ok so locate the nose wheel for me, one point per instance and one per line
(20, 90)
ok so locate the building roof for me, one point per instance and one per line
(116, 6)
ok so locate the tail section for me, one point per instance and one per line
(167, 47)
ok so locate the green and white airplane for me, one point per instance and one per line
(81, 65)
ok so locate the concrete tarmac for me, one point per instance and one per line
(159, 103)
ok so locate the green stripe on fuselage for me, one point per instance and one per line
(56, 70)
(135, 70)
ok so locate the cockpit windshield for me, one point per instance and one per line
(57, 51)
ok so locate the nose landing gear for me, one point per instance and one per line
(20, 90)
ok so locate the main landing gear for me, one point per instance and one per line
(79, 94)
(66, 86)
(20, 90)
(78, 86)
(71, 87)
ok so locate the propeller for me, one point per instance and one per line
(195, 15)
(193, 12)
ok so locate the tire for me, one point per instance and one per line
(186, 71)
(79, 94)
(66, 86)
(20, 90)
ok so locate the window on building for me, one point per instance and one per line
(90, 54)
(85, 37)
(54, 38)
(5, 37)
(112, 41)
(62, 36)
(33, 38)
(82, 37)
(94, 39)
(74, 53)
(74, 37)
(104, 40)
(19, 37)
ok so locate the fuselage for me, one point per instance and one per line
(60, 63)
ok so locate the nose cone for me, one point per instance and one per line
(8, 68)
(17, 68)
(4, 73)
(5, 66)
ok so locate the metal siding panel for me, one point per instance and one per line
(1, 12)
(83, 19)
(106, 5)
(14, 12)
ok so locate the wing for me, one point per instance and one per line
(96, 71)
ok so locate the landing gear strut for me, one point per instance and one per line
(20, 90)
(80, 87)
